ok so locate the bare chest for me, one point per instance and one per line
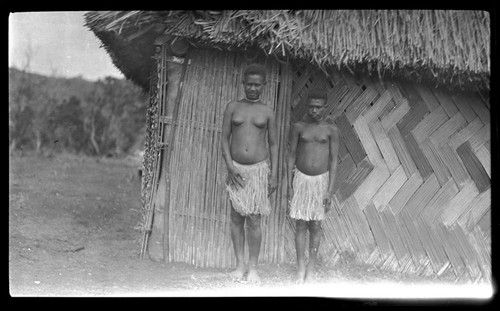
(246, 117)
(314, 134)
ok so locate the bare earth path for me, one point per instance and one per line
(71, 233)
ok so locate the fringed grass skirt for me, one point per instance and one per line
(252, 198)
(308, 194)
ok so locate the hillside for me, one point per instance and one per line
(57, 86)
(105, 117)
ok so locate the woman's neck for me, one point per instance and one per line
(252, 100)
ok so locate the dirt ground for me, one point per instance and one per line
(71, 233)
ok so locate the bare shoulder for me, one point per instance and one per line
(298, 126)
(330, 127)
(333, 129)
(269, 111)
(231, 106)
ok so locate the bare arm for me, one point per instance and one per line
(234, 177)
(273, 150)
(334, 149)
(294, 138)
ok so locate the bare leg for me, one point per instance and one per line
(314, 239)
(238, 237)
(254, 239)
(300, 245)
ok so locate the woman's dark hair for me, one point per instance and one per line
(255, 69)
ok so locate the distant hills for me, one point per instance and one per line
(105, 117)
(58, 86)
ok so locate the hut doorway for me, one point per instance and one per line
(197, 210)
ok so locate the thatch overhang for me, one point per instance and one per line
(442, 47)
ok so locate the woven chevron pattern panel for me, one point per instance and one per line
(413, 181)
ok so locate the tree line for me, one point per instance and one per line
(49, 114)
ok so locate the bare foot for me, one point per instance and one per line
(238, 273)
(253, 276)
(310, 274)
(301, 273)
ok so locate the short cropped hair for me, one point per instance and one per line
(255, 69)
(317, 93)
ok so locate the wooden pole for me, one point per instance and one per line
(176, 68)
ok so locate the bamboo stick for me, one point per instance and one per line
(392, 233)
(474, 167)
(209, 184)
(407, 239)
(429, 124)
(221, 197)
(432, 157)
(402, 196)
(371, 184)
(361, 126)
(422, 196)
(177, 203)
(220, 207)
(454, 124)
(479, 245)
(207, 204)
(384, 145)
(479, 138)
(484, 156)
(480, 108)
(463, 106)
(465, 134)
(402, 151)
(427, 243)
(451, 248)
(389, 189)
(445, 101)
(183, 234)
(194, 193)
(393, 117)
(199, 208)
(416, 242)
(459, 203)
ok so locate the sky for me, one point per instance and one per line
(61, 46)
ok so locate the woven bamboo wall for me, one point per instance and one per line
(199, 209)
(413, 182)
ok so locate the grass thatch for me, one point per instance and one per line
(441, 46)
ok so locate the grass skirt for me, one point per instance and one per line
(308, 195)
(252, 198)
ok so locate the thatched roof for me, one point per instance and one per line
(440, 46)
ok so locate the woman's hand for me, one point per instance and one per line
(235, 178)
(327, 202)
